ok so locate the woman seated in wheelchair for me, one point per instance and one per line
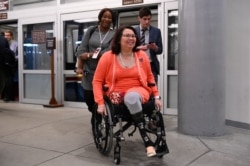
(126, 72)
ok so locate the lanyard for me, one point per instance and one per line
(101, 40)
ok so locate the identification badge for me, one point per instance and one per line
(96, 53)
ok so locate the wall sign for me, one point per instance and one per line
(38, 37)
(4, 5)
(51, 43)
(3, 16)
(129, 2)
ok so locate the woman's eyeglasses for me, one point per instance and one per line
(129, 36)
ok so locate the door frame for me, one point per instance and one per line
(22, 71)
(164, 70)
(85, 16)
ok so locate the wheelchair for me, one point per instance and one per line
(104, 128)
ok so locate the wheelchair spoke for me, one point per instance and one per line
(103, 132)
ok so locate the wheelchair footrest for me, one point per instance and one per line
(162, 148)
(160, 154)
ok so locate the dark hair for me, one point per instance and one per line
(116, 41)
(112, 13)
(10, 32)
(144, 11)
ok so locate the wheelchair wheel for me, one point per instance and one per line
(103, 131)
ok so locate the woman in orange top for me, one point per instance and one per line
(127, 70)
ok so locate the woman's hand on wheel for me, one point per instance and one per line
(158, 104)
(101, 110)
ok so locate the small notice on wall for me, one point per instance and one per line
(3, 16)
(38, 37)
(4, 5)
(51, 43)
(129, 2)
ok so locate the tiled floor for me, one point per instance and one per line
(32, 135)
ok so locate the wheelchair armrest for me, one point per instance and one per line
(105, 88)
(122, 111)
(151, 84)
(149, 106)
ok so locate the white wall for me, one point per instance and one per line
(237, 32)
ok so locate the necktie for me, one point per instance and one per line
(143, 37)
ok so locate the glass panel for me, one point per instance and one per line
(172, 40)
(172, 92)
(73, 88)
(37, 86)
(73, 33)
(36, 56)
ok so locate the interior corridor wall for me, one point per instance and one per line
(237, 29)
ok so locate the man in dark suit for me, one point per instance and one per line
(151, 39)
(3, 44)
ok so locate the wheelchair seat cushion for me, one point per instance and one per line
(116, 97)
(121, 109)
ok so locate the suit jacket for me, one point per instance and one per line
(154, 36)
(3, 44)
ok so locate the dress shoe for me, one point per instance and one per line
(6, 99)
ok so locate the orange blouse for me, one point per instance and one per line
(116, 78)
(127, 80)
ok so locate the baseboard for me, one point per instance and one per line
(238, 124)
